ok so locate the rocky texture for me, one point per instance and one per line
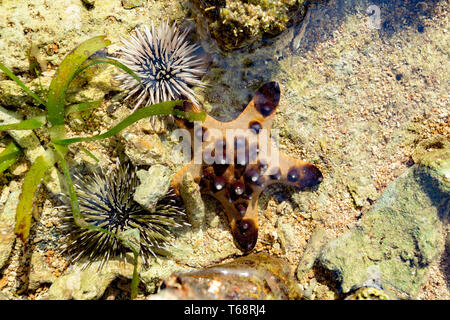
(234, 23)
(144, 149)
(130, 4)
(318, 240)
(401, 236)
(355, 99)
(58, 28)
(88, 284)
(257, 276)
(195, 208)
(40, 271)
(32, 148)
(8, 222)
(368, 293)
(154, 185)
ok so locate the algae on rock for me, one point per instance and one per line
(401, 235)
(236, 23)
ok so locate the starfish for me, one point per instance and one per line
(236, 165)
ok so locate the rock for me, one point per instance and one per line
(90, 283)
(361, 189)
(57, 30)
(32, 148)
(195, 208)
(144, 149)
(401, 236)
(368, 293)
(152, 276)
(256, 276)
(235, 24)
(3, 296)
(287, 236)
(7, 223)
(154, 185)
(40, 272)
(318, 240)
(130, 4)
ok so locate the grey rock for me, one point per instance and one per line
(195, 208)
(7, 223)
(154, 185)
(130, 4)
(40, 272)
(90, 283)
(401, 236)
(318, 240)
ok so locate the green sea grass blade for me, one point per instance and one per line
(9, 156)
(30, 185)
(79, 107)
(65, 74)
(90, 154)
(28, 124)
(114, 62)
(163, 108)
(21, 84)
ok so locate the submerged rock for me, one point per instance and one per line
(368, 293)
(235, 23)
(195, 208)
(154, 185)
(257, 276)
(400, 236)
(40, 272)
(318, 240)
(89, 283)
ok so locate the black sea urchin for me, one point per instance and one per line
(106, 200)
(165, 62)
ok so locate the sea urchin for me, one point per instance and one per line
(165, 62)
(106, 200)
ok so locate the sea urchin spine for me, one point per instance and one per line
(106, 200)
(165, 62)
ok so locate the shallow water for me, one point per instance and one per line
(363, 84)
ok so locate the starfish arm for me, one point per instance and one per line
(243, 219)
(293, 172)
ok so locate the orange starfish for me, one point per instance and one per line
(236, 165)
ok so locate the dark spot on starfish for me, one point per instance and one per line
(276, 175)
(238, 171)
(208, 173)
(238, 188)
(262, 165)
(248, 194)
(310, 176)
(255, 126)
(261, 181)
(293, 175)
(219, 169)
(246, 234)
(219, 184)
(252, 175)
(241, 208)
(266, 99)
